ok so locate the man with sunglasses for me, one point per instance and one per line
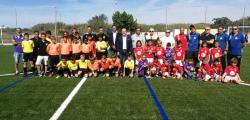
(193, 44)
(152, 35)
(206, 36)
(167, 39)
(222, 38)
(235, 44)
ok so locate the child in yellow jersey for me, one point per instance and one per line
(73, 67)
(83, 66)
(128, 67)
(62, 68)
(101, 47)
(27, 46)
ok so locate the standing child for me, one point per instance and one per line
(76, 48)
(91, 43)
(83, 66)
(179, 54)
(216, 71)
(231, 73)
(204, 52)
(176, 70)
(165, 69)
(128, 67)
(101, 47)
(65, 49)
(53, 50)
(216, 52)
(169, 53)
(27, 46)
(160, 52)
(138, 52)
(85, 49)
(150, 51)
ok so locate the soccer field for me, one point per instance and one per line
(101, 98)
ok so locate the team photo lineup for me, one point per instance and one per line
(119, 53)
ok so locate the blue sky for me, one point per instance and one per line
(31, 12)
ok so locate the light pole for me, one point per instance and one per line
(166, 18)
(2, 27)
(16, 17)
(55, 12)
(243, 20)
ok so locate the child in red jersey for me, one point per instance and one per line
(176, 70)
(150, 50)
(204, 71)
(154, 68)
(216, 52)
(160, 52)
(165, 69)
(216, 71)
(138, 52)
(204, 52)
(179, 54)
(231, 73)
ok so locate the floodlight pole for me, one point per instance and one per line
(166, 17)
(243, 20)
(16, 16)
(55, 22)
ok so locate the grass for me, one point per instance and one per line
(111, 98)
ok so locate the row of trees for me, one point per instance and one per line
(125, 20)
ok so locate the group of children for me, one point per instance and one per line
(89, 59)
(153, 60)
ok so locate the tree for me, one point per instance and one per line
(222, 21)
(124, 20)
(98, 21)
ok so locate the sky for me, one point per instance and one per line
(31, 12)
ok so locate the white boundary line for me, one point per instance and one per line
(10, 74)
(244, 84)
(63, 106)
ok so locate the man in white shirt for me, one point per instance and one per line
(151, 35)
(168, 39)
(138, 36)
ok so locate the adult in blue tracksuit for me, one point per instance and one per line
(193, 44)
(235, 44)
(222, 38)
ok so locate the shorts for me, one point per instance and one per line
(66, 57)
(230, 78)
(207, 77)
(166, 74)
(179, 62)
(27, 57)
(161, 61)
(17, 57)
(41, 59)
(150, 60)
(83, 70)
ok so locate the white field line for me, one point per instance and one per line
(244, 84)
(63, 106)
(10, 74)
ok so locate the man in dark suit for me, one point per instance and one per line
(112, 39)
(124, 45)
